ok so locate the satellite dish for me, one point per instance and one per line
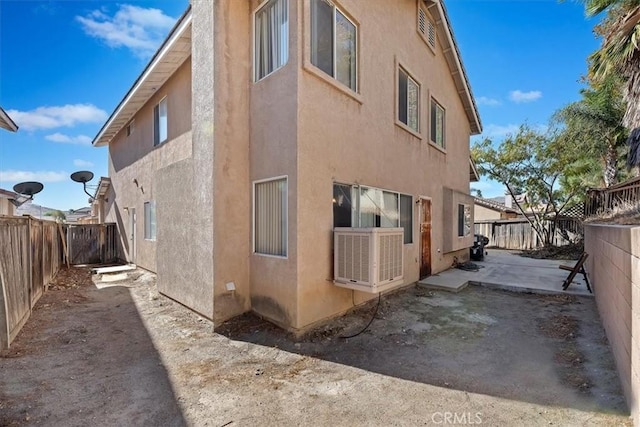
(82, 176)
(28, 188)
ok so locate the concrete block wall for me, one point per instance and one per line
(614, 269)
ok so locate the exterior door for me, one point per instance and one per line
(425, 238)
(132, 235)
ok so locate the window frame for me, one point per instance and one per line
(402, 70)
(285, 208)
(435, 105)
(150, 221)
(464, 228)
(356, 218)
(156, 129)
(337, 9)
(261, 6)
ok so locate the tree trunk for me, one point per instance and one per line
(610, 166)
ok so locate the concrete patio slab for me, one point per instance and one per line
(510, 271)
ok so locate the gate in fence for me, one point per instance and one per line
(92, 243)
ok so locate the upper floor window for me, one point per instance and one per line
(334, 43)
(408, 101)
(160, 122)
(437, 124)
(271, 31)
(426, 28)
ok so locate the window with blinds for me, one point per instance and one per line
(270, 217)
(271, 30)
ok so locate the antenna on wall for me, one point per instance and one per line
(29, 189)
(83, 177)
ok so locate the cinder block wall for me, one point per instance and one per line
(614, 268)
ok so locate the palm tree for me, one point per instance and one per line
(596, 121)
(620, 53)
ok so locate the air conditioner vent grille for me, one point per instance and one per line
(368, 259)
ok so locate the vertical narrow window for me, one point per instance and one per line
(131, 127)
(271, 30)
(150, 220)
(437, 124)
(334, 43)
(160, 122)
(461, 220)
(408, 100)
(270, 217)
(406, 217)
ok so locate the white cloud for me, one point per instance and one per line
(518, 96)
(82, 163)
(53, 117)
(499, 131)
(492, 102)
(42, 176)
(66, 139)
(137, 28)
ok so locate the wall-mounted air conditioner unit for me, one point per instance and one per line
(368, 259)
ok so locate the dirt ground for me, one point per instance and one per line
(120, 354)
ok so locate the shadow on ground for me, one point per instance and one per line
(547, 350)
(96, 363)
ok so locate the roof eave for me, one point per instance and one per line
(178, 30)
(466, 95)
(7, 122)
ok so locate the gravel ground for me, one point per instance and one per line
(118, 353)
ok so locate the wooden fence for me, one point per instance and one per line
(92, 243)
(30, 256)
(603, 201)
(518, 233)
(31, 253)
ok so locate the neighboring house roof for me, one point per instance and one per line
(174, 51)
(6, 122)
(492, 204)
(454, 60)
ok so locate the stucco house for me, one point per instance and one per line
(260, 126)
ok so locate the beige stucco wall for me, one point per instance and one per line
(274, 153)
(354, 139)
(614, 269)
(231, 183)
(134, 162)
(480, 213)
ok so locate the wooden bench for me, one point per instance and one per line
(578, 268)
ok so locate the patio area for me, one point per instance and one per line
(507, 270)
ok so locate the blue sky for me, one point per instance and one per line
(64, 66)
